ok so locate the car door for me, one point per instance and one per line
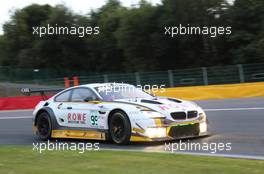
(62, 106)
(83, 112)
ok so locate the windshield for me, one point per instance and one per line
(110, 93)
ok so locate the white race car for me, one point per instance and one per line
(117, 112)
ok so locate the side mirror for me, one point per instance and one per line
(87, 99)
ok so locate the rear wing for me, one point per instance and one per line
(41, 91)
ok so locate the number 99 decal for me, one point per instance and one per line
(94, 120)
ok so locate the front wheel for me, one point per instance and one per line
(120, 128)
(44, 126)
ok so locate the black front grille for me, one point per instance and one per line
(184, 131)
(178, 115)
(192, 114)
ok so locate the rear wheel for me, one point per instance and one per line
(119, 128)
(44, 126)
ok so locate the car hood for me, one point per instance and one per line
(163, 105)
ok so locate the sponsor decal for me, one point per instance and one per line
(77, 118)
(169, 106)
(59, 106)
(94, 120)
(134, 112)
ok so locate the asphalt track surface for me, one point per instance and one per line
(236, 121)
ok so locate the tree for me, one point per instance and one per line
(132, 38)
(107, 54)
(18, 33)
(136, 37)
(247, 20)
(57, 51)
(192, 50)
(3, 56)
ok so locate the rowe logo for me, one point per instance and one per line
(76, 117)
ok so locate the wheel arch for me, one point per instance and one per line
(128, 135)
(51, 115)
(116, 110)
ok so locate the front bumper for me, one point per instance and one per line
(174, 132)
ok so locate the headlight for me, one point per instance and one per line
(156, 132)
(203, 127)
(202, 116)
(153, 114)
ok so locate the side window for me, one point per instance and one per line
(64, 97)
(81, 94)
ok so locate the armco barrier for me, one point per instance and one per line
(15, 103)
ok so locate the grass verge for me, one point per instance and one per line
(23, 160)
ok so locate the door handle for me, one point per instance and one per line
(69, 107)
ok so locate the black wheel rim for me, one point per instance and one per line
(43, 126)
(117, 129)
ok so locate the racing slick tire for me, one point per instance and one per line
(44, 127)
(119, 128)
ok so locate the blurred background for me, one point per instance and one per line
(132, 46)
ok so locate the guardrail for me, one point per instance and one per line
(171, 78)
(187, 77)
